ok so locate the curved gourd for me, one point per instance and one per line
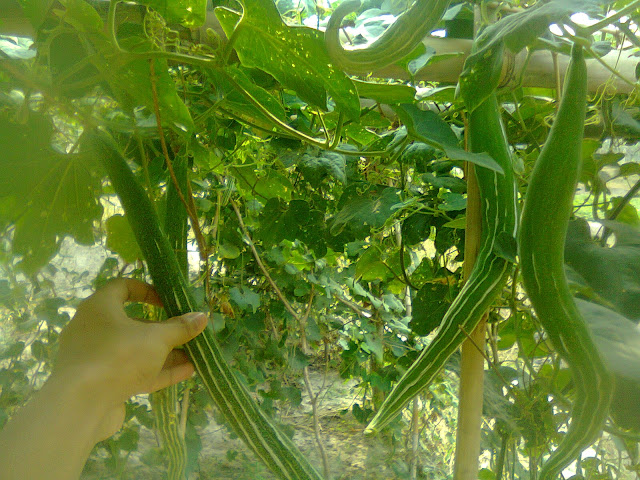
(547, 208)
(499, 223)
(231, 397)
(398, 41)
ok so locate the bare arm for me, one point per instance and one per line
(104, 358)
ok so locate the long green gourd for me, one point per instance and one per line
(233, 400)
(398, 41)
(499, 223)
(164, 403)
(163, 407)
(547, 208)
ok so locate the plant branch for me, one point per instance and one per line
(264, 270)
(313, 397)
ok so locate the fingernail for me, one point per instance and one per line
(194, 317)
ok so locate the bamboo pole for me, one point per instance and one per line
(470, 394)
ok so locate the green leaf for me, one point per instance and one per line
(228, 250)
(385, 92)
(132, 85)
(120, 239)
(316, 168)
(370, 268)
(373, 344)
(295, 56)
(245, 298)
(39, 351)
(486, 474)
(295, 221)
(416, 228)
(453, 202)
(454, 184)
(428, 127)
(218, 322)
(266, 184)
(82, 16)
(429, 306)
(12, 351)
(617, 338)
(506, 247)
(55, 194)
(189, 13)
(367, 206)
(230, 98)
(613, 272)
(36, 11)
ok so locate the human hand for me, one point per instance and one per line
(117, 357)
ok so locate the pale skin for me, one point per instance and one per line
(104, 358)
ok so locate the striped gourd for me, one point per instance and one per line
(398, 41)
(499, 222)
(164, 403)
(164, 408)
(547, 208)
(232, 398)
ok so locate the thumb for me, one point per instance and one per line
(179, 330)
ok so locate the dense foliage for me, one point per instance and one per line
(327, 212)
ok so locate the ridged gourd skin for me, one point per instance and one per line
(489, 273)
(547, 208)
(164, 402)
(398, 41)
(231, 397)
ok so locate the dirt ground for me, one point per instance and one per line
(351, 455)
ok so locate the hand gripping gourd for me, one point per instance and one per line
(398, 41)
(547, 207)
(233, 400)
(499, 222)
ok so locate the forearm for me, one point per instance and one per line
(51, 437)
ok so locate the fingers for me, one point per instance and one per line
(179, 330)
(176, 369)
(129, 290)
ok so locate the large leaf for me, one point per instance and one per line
(617, 338)
(428, 127)
(429, 307)
(263, 184)
(54, 194)
(294, 221)
(613, 272)
(120, 239)
(316, 166)
(36, 11)
(295, 56)
(132, 86)
(229, 98)
(365, 206)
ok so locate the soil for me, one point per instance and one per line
(351, 455)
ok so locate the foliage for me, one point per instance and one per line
(327, 231)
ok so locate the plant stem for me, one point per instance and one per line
(189, 206)
(313, 397)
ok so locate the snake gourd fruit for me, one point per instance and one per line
(547, 207)
(164, 403)
(398, 41)
(233, 400)
(490, 271)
